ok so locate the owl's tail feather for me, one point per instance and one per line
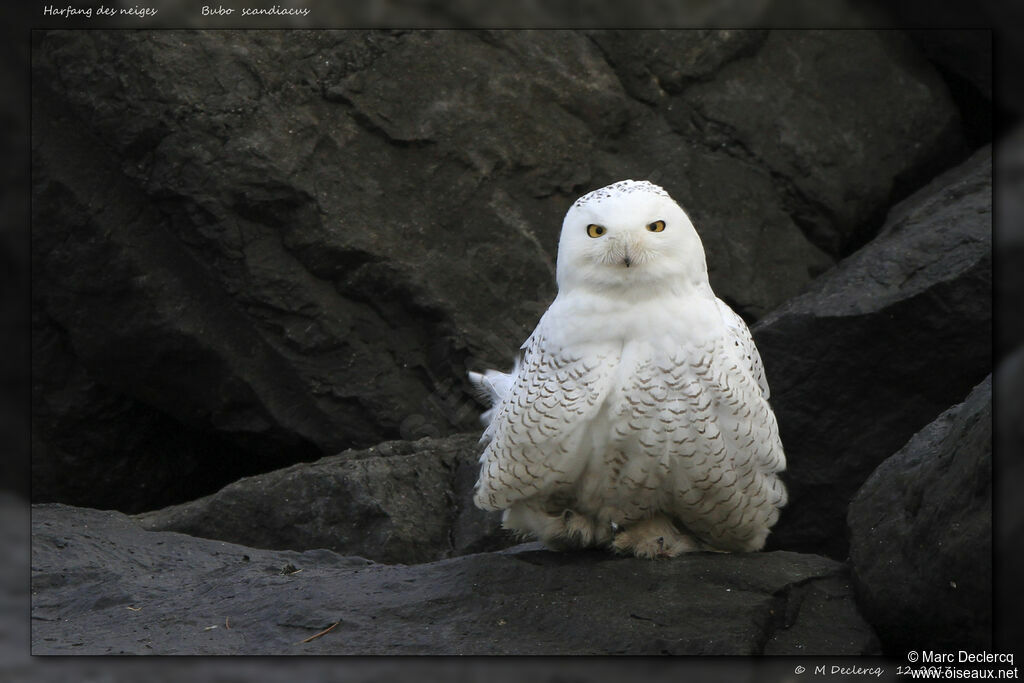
(492, 386)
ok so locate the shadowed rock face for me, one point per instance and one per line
(813, 132)
(398, 502)
(879, 346)
(512, 602)
(921, 535)
(1009, 243)
(257, 248)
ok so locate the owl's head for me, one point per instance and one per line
(631, 237)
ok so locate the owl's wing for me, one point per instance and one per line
(535, 433)
(744, 343)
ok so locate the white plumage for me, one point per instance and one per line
(638, 415)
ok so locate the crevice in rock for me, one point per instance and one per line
(782, 610)
(746, 50)
(806, 213)
(338, 94)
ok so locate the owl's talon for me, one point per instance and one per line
(566, 530)
(654, 538)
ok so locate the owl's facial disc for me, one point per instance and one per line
(624, 245)
(629, 236)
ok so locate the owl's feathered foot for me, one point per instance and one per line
(566, 531)
(653, 538)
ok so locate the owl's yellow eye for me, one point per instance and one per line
(656, 226)
(595, 230)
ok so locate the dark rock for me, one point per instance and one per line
(1009, 242)
(757, 255)
(961, 49)
(665, 63)
(835, 146)
(964, 58)
(878, 347)
(964, 52)
(399, 502)
(103, 585)
(832, 138)
(14, 591)
(18, 666)
(921, 535)
(277, 245)
(75, 420)
(15, 379)
(1009, 504)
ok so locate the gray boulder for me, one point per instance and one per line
(921, 535)
(878, 347)
(834, 150)
(965, 54)
(252, 249)
(398, 502)
(103, 585)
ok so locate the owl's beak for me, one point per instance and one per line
(624, 250)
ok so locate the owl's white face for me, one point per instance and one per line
(630, 237)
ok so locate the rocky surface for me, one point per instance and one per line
(1009, 227)
(798, 129)
(964, 58)
(966, 54)
(399, 502)
(18, 666)
(252, 249)
(878, 347)
(15, 381)
(921, 535)
(103, 585)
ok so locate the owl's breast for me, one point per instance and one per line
(629, 437)
(582, 322)
(678, 429)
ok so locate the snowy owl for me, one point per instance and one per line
(637, 415)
